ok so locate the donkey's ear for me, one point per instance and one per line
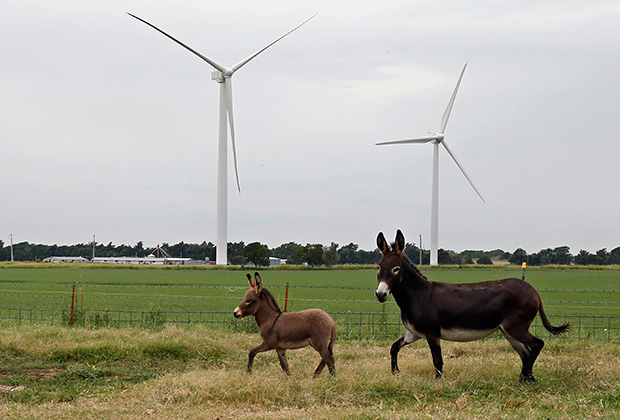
(258, 281)
(399, 243)
(251, 280)
(382, 244)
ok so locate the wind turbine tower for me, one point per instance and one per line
(436, 139)
(223, 76)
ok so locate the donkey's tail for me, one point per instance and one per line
(332, 340)
(553, 330)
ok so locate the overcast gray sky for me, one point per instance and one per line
(109, 128)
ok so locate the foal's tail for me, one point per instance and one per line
(332, 340)
(553, 330)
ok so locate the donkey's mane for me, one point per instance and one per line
(411, 265)
(270, 300)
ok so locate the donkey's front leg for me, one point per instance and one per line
(258, 349)
(408, 338)
(435, 344)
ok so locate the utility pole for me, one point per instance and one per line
(11, 239)
(94, 243)
(420, 249)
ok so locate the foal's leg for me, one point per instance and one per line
(260, 348)
(408, 338)
(283, 360)
(435, 344)
(327, 358)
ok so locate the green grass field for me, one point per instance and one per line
(564, 291)
(349, 293)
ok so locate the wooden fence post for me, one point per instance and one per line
(286, 298)
(72, 304)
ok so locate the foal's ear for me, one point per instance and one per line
(399, 243)
(251, 280)
(258, 281)
(382, 244)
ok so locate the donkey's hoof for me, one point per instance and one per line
(527, 378)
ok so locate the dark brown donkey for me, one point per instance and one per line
(287, 330)
(459, 312)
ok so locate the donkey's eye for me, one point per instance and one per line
(249, 302)
(395, 270)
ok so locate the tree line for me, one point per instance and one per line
(312, 254)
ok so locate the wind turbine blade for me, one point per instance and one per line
(231, 122)
(446, 114)
(462, 170)
(425, 139)
(247, 59)
(215, 64)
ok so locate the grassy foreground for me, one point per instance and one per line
(62, 373)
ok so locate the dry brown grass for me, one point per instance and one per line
(576, 380)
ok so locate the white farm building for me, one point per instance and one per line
(65, 260)
(150, 260)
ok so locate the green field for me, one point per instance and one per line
(158, 291)
(564, 291)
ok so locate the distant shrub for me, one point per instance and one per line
(485, 260)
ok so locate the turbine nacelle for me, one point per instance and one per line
(438, 138)
(219, 76)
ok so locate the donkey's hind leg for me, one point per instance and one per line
(319, 368)
(283, 360)
(528, 347)
(327, 358)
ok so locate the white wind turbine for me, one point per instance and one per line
(223, 76)
(437, 139)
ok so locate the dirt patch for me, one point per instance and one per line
(40, 373)
(7, 388)
(34, 373)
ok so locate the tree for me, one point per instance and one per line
(312, 254)
(235, 249)
(290, 252)
(443, 257)
(369, 257)
(257, 254)
(412, 252)
(585, 258)
(349, 254)
(518, 257)
(330, 255)
(614, 256)
(561, 255)
(603, 256)
(484, 260)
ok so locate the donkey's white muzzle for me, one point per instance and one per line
(382, 292)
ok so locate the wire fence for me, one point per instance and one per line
(351, 325)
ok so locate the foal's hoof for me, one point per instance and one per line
(527, 378)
